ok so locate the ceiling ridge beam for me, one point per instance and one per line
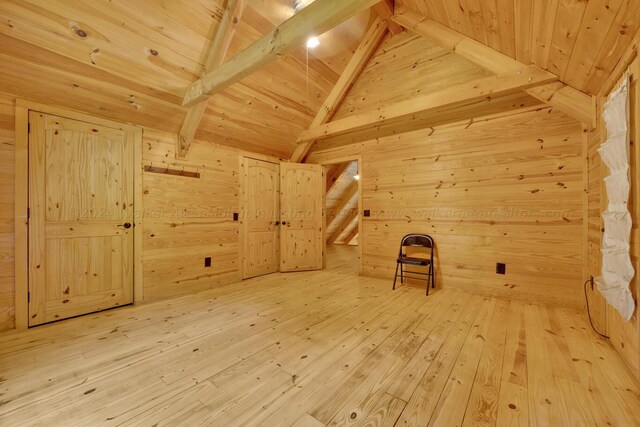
(361, 57)
(483, 89)
(214, 57)
(319, 17)
(565, 98)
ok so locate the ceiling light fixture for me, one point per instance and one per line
(313, 42)
(298, 5)
(356, 177)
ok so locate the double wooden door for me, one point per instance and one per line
(81, 218)
(281, 214)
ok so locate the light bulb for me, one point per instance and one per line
(356, 177)
(313, 42)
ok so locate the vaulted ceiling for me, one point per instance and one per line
(132, 60)
(581, 41)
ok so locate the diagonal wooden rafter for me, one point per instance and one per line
(347, 220)
(479, 90)
(346, 197)
(354, 68)
(565, 98)
(352, 235)
(215, 57)
(333, 173)
(317, 18)
(349, 230)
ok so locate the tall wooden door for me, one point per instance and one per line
(81, 216)
(259, 221)
(302, 243)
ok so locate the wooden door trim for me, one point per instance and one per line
(21, 200)
(357, 158)
(241, 248)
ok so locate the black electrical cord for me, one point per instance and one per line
(588, 311)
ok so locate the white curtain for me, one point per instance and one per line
(617, 270)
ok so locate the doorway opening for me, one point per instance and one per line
(342, 210)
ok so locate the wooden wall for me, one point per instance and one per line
(188, 219)
(6, 212)
(404, 66)
(502, 189)
(625, 336)
(184, 219)
(507, 189)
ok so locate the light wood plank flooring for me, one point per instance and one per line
(317, 348)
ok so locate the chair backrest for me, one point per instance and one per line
(417, 240)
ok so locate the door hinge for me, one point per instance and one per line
(28, 296)
(28, 127)
(28, 213)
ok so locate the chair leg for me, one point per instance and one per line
(395, 276)
(428, 278)
(401, 273)
(433, 277)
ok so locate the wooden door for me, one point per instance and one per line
(302, 240)
(259, 211)
(81, 216)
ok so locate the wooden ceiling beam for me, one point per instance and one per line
(352, 235)
(565, 98)
(349, 231)
(356, 65)
(334, 172)
(486, 88)
(347, 220)
(385, 10)
(215, 57)
(317, 18)
(349, 193)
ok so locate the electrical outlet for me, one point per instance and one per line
(501, 268)
(207, 261)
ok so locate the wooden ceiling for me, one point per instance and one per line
(132, 60)
(342, 204)
(580, 41)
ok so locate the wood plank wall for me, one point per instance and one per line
(507, 189)
(404, 66)
(7, 147)
(625, 336)
(188, 219)
(184, 219)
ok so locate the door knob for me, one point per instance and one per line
(284, 222)
(126, 225)
(277, 222)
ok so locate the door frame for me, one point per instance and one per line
(357, 158)
(21, 200)
(241, 248)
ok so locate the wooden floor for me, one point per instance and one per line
(317, 348)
